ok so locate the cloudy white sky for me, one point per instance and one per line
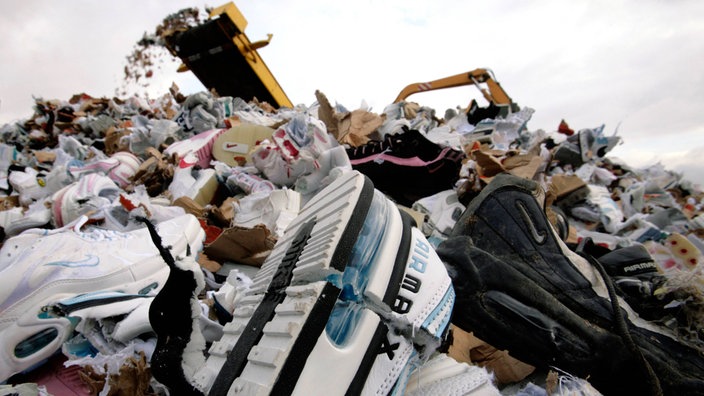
(633, 65)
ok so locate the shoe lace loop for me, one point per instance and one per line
(93, 233)
(378, 146)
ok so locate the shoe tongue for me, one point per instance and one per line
(629, 261)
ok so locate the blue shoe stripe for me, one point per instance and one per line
(448, 298)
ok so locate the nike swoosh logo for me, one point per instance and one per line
(89, 261)
(235, 147)
(538, 236)
(42, 274)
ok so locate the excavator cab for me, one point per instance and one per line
(483, 79)
(223, 58)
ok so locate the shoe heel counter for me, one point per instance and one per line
(29, 341)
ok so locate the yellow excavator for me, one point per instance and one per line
(483, 79)
(223, 58)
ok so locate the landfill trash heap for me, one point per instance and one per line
(230, 176)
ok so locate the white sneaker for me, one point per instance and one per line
(442, 211)
(197, 184)
(351, 300)
(330, 164)
(120, 167)
(275, 209)
(91, 193)
(40, 267)
(29, 184)
(442, 375)
(247, 182)
(8, 155)
(200, 145)
(293, 150)
(37, 215)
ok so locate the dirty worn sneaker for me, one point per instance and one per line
(668, 297)
(520, 288)
(351, 300)
(393, 162)
(40, 267)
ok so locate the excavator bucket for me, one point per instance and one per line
(223, 58)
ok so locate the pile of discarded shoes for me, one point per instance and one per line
(208, 245)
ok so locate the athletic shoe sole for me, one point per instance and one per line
(348, 260)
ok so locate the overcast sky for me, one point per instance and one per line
(635, 66)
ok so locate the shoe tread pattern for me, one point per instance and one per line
(319, 257)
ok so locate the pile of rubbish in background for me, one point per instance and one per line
(244, 169)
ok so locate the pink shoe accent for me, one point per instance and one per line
(201, 145)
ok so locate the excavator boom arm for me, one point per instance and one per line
(495, 94)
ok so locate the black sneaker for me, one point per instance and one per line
(407, 166)
(520, 288)
(670, 299)
(636, 278)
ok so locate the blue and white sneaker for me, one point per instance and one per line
(351, 300)
(42, 267)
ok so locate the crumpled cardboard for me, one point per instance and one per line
(205, 262)
(410, 110)
(523, 165)
(9, 202)
(354, 128)
(467, 348)
(190, 206)
(492, 162)
(565, 184)
(417, 216)
(114, 141)
(133, 379)
(488, 164)
(242, 245)
(266, 106)
(224, 214)
(154, 172)
(206, 194)
(43, 156)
